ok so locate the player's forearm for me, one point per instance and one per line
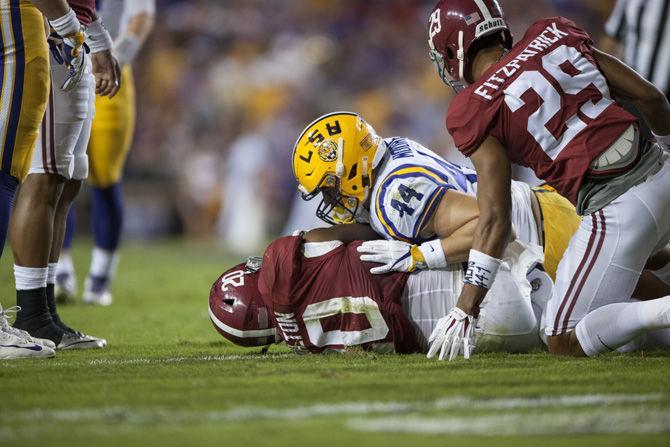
(52, 9)
(140, 26)
(457, 246)
(493, 232)
(128, 44)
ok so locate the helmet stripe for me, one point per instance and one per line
(238, 333)
(484, 9)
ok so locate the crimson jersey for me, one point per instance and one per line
(547, 102)
(332, 301)
(85, 10)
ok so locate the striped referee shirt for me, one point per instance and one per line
(643, 26)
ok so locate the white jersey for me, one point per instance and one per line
(409, 186)
(411, 183)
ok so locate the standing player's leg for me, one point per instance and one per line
(24, 91)
(70, 191)
(32, 224)
(601, 267)
(111, 138)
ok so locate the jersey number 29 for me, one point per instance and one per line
(551, 99)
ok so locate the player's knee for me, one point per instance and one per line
(565, 344)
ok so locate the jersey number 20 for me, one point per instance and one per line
(551, 100)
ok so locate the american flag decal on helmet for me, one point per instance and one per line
(472, 18)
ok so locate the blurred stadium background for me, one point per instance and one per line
(224, 88)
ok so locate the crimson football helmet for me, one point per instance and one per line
(237, 309)
(454, 26)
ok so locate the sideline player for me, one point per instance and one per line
(318, 296)
(546, 103)
(58, 166)
(129, 22)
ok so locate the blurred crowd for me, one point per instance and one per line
(225, 87)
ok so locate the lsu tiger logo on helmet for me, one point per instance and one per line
(334, 156)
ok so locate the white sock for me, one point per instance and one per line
(51, 272)
(103, 263)
(65, 264)
(29, 278)
(663, 273)
(610, 327)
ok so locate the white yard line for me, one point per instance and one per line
(238, 414)
(596, 421)
(204, 358)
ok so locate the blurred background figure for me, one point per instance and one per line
(639, 32)
(128, 22)
(224, 88)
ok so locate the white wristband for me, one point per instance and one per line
(663, 139)
(97, 37)
(66, 25)
(126, 48)
(482, 269)
(433, 254)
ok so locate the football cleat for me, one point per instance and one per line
(13, 347)
(96, 291)
(78, 340)
(20, 333)
(65, 288)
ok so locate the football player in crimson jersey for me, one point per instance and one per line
(549, 102)
(318, 296)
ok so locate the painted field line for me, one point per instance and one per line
(238, 414)
(203, 358)
(596, 421)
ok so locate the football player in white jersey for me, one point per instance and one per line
(422, 204)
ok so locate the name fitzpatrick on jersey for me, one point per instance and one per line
(289, 327)
(546, 39)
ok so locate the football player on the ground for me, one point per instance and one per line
(59, 165)
(547, 103)
(318, 296)
(129, 22)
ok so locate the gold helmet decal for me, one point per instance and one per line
(334, 155)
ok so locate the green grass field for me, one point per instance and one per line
(167, 378)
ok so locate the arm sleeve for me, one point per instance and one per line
(406, 201)
(614, 27)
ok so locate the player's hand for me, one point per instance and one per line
(453, 335)
(107, 73)
(71, 52)
(396, 256)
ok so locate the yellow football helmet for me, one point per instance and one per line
(334, 155)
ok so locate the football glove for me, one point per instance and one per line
(71, 52)
(396, 256)
(453, 335)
